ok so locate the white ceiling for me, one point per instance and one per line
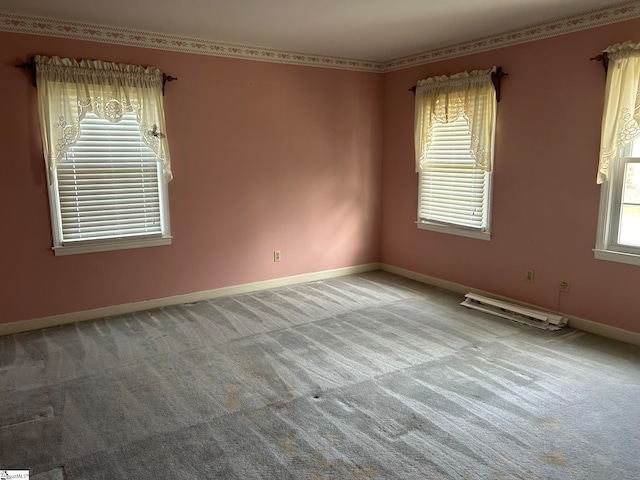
(374, 30)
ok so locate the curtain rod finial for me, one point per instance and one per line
(29, 67)
(166, 78)
(604, 58)
(496, 77)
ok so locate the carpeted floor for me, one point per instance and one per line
(366, 376)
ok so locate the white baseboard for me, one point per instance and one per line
(436, 282)
(578, 323)
(604, 330)
(57, 320)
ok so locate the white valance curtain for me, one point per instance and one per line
(447, 98)
(621, 117)
(68, 89)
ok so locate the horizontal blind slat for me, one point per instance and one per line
(108, 183)
(452, 189)
(110, 234)
(107, 225)
(140, 218)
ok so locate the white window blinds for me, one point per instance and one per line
(453, 188)
(108, 183)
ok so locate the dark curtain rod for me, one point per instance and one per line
(604, 58)
(496, 78)
(31, 67)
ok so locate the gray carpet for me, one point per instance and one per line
(366, 376)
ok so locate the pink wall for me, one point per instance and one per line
(318, 163)
(545, 202)
(265, 157)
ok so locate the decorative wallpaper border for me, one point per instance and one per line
(137, 38)
(121, 36)
(572, 23)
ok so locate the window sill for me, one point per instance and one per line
(620, 257)
(92, 247)
(460, 231)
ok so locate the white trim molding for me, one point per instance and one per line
(454, 230)
(32, 25)
(66, 318)
(96, 313)
(619, 257)
(578, 323)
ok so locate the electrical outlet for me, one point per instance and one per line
(529, 274)
(276, 255)
(564, 285)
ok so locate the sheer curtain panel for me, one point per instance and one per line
(68, 89)
(621, 117)
(445, 99)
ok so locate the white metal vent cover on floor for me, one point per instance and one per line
(517, 313)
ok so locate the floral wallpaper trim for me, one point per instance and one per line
(121, 36)
(573, 23)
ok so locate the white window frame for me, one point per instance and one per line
(62, 247)
(481, 233)
(607, 245)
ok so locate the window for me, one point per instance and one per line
(106, 152)
(454, 136)
(453, 189)
(619, 229)
(108, 187)
(618, 237)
